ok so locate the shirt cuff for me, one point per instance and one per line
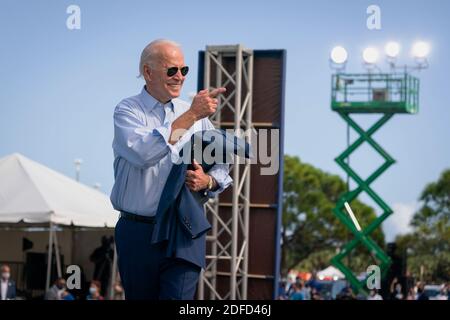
(220, 173)
(165, 132)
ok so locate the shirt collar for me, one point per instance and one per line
(150, 102)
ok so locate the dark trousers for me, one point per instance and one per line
(145, 272)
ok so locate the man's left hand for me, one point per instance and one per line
(196, 179)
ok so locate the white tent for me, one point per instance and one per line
(330, 272)
(34, 194)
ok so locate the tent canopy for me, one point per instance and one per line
(33, 193)
(330, 272)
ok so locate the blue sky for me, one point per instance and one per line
(59, 87)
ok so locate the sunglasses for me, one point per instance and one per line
(173, 71)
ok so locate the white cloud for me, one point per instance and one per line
(398, 222)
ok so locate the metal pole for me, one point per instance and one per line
(113, 274)
(349, 256)
(249, 126)
(235, 201)
(78, 163)
(72, 253)
(206, 85)
(58, 257)
(201, 286)
(49, 258)
(216, 201)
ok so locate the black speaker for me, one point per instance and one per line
(35, 270)
(397, 270)
(398, 266)
(27, 244)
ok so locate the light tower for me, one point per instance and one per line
(78, 163)
(373, 92)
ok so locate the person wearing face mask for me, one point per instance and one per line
(57, 290)
(8, 286)
(374, 295)
(396, 290)
(94, 291)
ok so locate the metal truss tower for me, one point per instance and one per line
(229, 66)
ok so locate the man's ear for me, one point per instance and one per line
(147, 73)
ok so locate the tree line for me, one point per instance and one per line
(312, 234)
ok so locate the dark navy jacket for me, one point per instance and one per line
(180, 218)
(11, 290)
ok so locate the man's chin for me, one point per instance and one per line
(175, 93)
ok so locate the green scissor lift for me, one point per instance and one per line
(385, 94)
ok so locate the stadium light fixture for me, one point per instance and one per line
(338, 58)
(370, 56)
(392, 49)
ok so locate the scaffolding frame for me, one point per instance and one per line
(224, 239)
(360, 94)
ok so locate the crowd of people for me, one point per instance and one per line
(297, 290)
(315, 290)
(97, 289)
(417, 291)
(59, 290)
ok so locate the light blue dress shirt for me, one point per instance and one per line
(143, 156)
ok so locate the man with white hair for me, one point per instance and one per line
(149, 132)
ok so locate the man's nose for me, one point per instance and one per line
(178, 75)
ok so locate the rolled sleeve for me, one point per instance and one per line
(136, 142)
(165, 131)
(220, 173)
(141, 145)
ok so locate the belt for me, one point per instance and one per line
(137, 217)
